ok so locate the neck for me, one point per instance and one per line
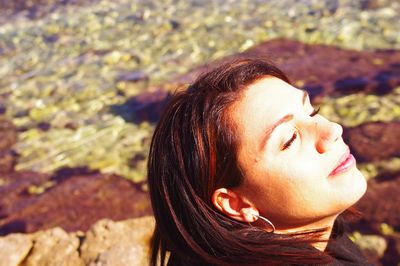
(323, 223)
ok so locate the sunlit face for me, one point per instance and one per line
(288, 169)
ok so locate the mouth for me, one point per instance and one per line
(345, 163)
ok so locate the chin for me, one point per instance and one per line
(357, 185)
(349, 187)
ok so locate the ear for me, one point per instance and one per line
(233, 205)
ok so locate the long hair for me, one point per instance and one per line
(192, 153)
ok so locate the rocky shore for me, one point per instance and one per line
(106, 243)
(75, 198)
(82, 84)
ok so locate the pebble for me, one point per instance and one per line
(350, 110)
(374, 245)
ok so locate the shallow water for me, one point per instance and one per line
(62, 71)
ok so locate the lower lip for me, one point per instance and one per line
(345, 166)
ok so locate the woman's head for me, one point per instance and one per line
(287, 153)
(214, 160)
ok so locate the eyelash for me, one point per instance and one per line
(289, 142)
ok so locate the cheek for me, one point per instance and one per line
(287, 180)
(277, 185)
(296, 168)
(308, 166)
(296, 185)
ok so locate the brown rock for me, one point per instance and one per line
(54, 247)
(15, 187)
(106, 243)
(374, 141)
(118, 243)
(77, 200)
(380, 204)
(321, 69)
(14, 248)
(121, 255)
(147, 106)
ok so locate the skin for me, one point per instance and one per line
(291, 186)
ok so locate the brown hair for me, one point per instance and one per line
(193, 152)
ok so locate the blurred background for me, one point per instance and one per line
(83, 83)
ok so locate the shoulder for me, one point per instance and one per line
(345, 252)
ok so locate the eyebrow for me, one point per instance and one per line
(284, 119)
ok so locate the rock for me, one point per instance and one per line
(54, 247)
(373, 246)
(132, 83)
(383, 191)
(134, 76)
(121, 255)
(379, 208)
(14, 248)
(392, 253)
(374, 141)
(380, 168)
(305, 65)
(118, 243)
(76, 200)
(15, 185)
(147, 106)
(106, 243)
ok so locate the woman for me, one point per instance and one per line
(243, 171)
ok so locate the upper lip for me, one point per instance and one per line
(342, 158)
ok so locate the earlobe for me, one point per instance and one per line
(233, 205)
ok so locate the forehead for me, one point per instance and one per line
(270, 90)
(267, 97)
(261, 104)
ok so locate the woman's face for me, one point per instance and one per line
(288, 167)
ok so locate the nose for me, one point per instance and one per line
(327, 133)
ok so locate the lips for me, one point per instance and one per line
(345, 162)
